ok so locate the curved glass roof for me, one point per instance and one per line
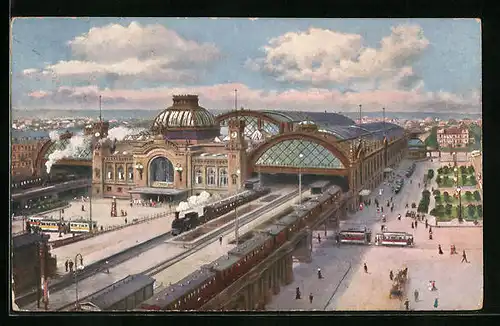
(75, 151)
(374, 130)
(415, 142)
(296, 116)
(299, 153)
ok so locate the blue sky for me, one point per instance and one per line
(313, 64)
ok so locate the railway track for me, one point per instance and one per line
(171, 261)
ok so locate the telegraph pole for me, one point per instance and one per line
(90, 210)
(360, 119)
(100, 108)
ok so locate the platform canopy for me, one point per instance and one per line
(156, 191)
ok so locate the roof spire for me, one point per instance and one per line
(100, 108)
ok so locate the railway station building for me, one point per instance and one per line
(188, 150)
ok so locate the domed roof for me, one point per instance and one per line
(185, 113)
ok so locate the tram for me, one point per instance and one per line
(356, 236)
(394, 239)
(55, 225)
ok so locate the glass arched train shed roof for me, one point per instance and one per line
(372, 130)
(271, 119)
(81, 152)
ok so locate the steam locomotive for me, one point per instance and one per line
(190, 219)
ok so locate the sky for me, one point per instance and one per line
(402, 65)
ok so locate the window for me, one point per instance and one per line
(108, 188)
(97, 190)
(109, 172)
(130, 173)
(210, 176)
(119, 189)
(234, 179)
(198, 176)
(121, 174)
(223, 177)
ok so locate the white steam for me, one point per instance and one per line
(54, 135)
(193, 202)
(77, 144)
(121, 132)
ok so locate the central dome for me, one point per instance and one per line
(184, 117)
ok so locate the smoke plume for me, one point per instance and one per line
(119, 133)
(76, 146)
(54, 135)
(193, 202)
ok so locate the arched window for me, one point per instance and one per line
(234, 179)
(198, 176)
(109, 172)
(130, 173)
(121, 173)
(161, 169)
(211, 176)
(223, 177)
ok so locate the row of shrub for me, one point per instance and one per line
(468, 212)
(448, 181)
(423, 205)
(476, 195)
(462, 169)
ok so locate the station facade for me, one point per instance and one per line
(188, 150)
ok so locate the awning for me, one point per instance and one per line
(365, 192)
(156, 191)
(388, 170)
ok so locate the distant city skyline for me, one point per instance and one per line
(404, 65)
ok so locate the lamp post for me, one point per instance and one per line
(139, 167)
(300, 179)
(459, 190)
(60, 223)
(76, 275)
(179, 169)
(235, 176)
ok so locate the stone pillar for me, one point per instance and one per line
(289, 269)
(276, 285)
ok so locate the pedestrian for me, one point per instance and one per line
(320, 276)
(382, 228)
(131, 204)
(382, 208)
(102, 228)
(391, 275)
(433, 284)
(440, 251)
(365, 268)
(81, 261)
(70, 263)
(419, 184)
(297, 293)
(83, 208)
(416, 224)
(430, 229)
(412, 225)
(415, 294)
(392, 209)
(126, 220)
(66, 265)
(426, 224)
(436, 303)
(107, 267)
(407, 304)
(319, 238)
(399, 217)
(220, 242)
(464, 257)
(430, 235)
(311, 297)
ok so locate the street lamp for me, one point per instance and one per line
(300, 179)
(235, 176)
(139, 167)
(76, 278)
(179, 169)
(459, 203)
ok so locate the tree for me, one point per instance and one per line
(471, 210)
(463, 169)
(468, 195)
(448, 209)
(473, 180)
(439, 180)
(446, 179)
(413, 205)
(437, 192)
(437, 198)
(477, 195)
(440, 170)
(430, 174)
(471, 169)
(446, 169)
(426, 193)
(479, 209)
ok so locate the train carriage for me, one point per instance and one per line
(251, 252)
(292, 221)
(279, 234)
(188, 294)
(319, 187)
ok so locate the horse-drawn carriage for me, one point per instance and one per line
(398, 288)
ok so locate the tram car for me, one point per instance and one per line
(394, 239)
(55, 225)
(198, 288)
(81, 226)
(187, 220)
(355, 236)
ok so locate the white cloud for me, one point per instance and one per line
(322, 56)
(222, 96)
(150, 52)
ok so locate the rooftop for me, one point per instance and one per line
(258, 240)
(120, 290)
(27, 239)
